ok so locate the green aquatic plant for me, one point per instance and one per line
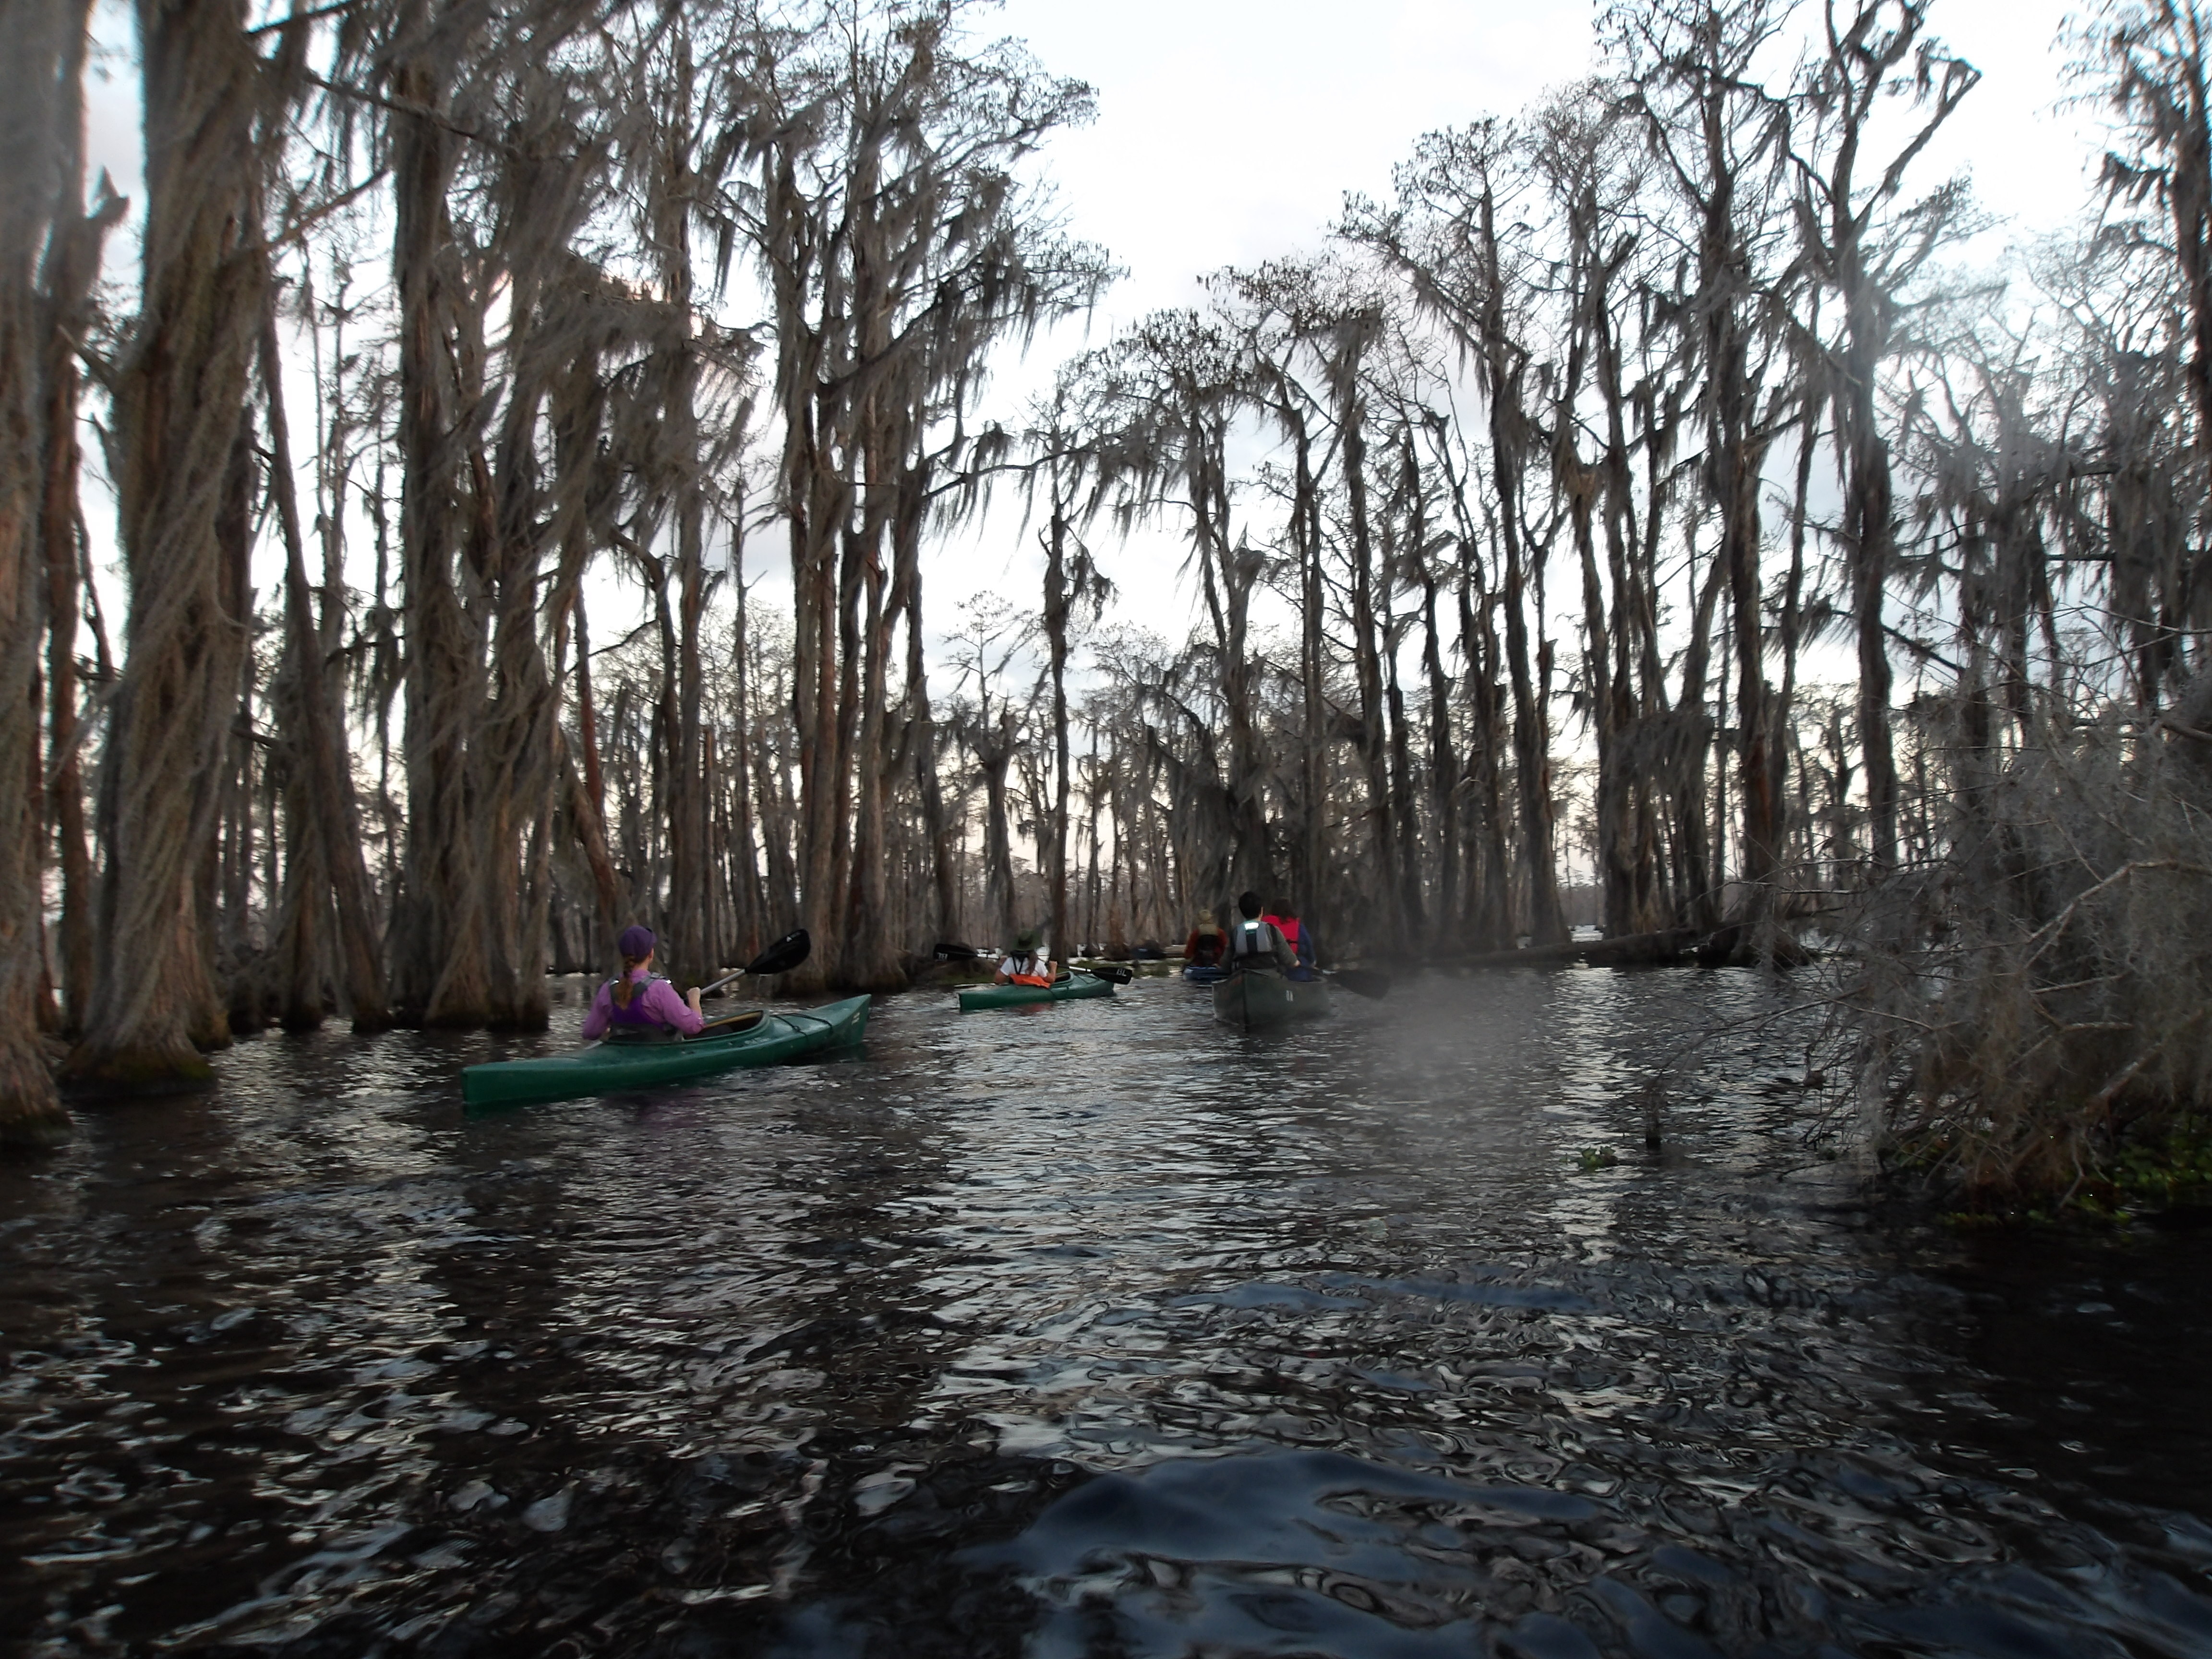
(2172, 1168)
(1590, 1159)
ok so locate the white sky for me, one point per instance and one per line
(1229, 131)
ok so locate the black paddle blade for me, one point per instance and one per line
(1118, 976)
(1362, 981)
(786, 954)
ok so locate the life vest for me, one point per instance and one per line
(1294, 935)
(637, 1015)
(1250, 946)
(1204, 949)
(1030, 969)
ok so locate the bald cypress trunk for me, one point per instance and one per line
(994, 750)
(922, 737)
(693, 941)
(1443, 769)
(70, 266)
(180, 394)
(328, 875)
(1491, 912)
(1055, 628)
(743, 848)
(1309, 873)
(42, 45)
(440, 976)
(1387, 922)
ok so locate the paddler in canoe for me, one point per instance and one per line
(1024, 965)
(1297, 936)
(636, 1002)
(1207, 944)
(1257, 945)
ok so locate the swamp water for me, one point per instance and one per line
(1090, 1329)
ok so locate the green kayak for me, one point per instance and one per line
(1257, 999)
(604, 1067)
(1014, 996)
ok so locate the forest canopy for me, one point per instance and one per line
(1648, 483)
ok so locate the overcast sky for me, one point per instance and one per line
(1229, 131)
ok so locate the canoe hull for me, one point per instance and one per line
(1199, 974)
(1256, 1000)
(979, 997)
(610, 1066)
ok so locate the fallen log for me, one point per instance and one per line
(1738, 945)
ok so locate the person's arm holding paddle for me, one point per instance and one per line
(682, 1013)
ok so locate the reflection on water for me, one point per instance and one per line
(1093, 1328)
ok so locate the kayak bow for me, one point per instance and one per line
(605, 1067)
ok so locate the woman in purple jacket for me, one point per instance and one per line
(634, 1000)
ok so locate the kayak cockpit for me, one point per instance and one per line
(729, 1025)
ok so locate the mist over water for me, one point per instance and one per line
(1090, 1329)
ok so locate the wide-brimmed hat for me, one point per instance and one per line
(636, 942)
(1026, 939)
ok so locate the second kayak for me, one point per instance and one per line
(1071, 989)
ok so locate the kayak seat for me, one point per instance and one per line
(729, 1025)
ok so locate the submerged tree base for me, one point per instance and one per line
(30, 1115)
(136, 1073)
(35, 1134)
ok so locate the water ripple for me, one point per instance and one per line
(1090, 1329)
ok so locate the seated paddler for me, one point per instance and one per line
(1297, 936)
(1206, 943)
(1025, 964)
(637, 1002)
(1257, 945)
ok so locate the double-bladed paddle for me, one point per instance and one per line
(781, 957)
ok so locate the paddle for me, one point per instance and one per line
(781, 957)
(1108, 970)
(1362, 981)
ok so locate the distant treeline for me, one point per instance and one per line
(1648, 486)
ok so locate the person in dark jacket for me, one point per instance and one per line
(1257, 945)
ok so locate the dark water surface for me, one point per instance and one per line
(1087, 1330)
